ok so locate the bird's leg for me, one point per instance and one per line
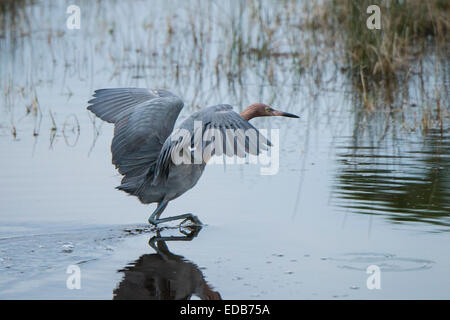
(186, 216)
(154, 218)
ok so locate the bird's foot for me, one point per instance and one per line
(195, 222)
(190, 231)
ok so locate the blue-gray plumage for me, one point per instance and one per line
(145, 139)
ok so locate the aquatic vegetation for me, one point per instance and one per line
(276, 46)
(390, 67)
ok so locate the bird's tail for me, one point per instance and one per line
(131, 185)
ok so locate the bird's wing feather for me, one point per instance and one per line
(223, 131)
(237, 136)
(141, 125)
(110, 104)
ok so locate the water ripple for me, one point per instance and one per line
(385, 261)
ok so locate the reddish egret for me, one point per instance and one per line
(142, 145)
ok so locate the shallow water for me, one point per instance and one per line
(344, 198)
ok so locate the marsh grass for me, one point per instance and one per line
(235, 52)
(407, 28)
(387, 68)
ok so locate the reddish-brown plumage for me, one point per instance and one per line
(256, 110)
(263, 110)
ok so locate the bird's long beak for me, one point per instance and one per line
(284, 114)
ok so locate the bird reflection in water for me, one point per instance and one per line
(164, 275)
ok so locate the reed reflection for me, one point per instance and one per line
(412, 186)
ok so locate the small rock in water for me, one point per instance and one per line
(354, 287)
(67, 247)
(278, 255)
(289, 272)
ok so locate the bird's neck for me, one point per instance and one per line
(249, 113)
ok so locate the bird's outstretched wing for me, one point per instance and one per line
(112, 104)
(223, 132)
(143, 120)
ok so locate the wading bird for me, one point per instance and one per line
(144, 141)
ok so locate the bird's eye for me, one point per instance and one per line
(268, 109)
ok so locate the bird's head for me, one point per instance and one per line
(263, 110)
